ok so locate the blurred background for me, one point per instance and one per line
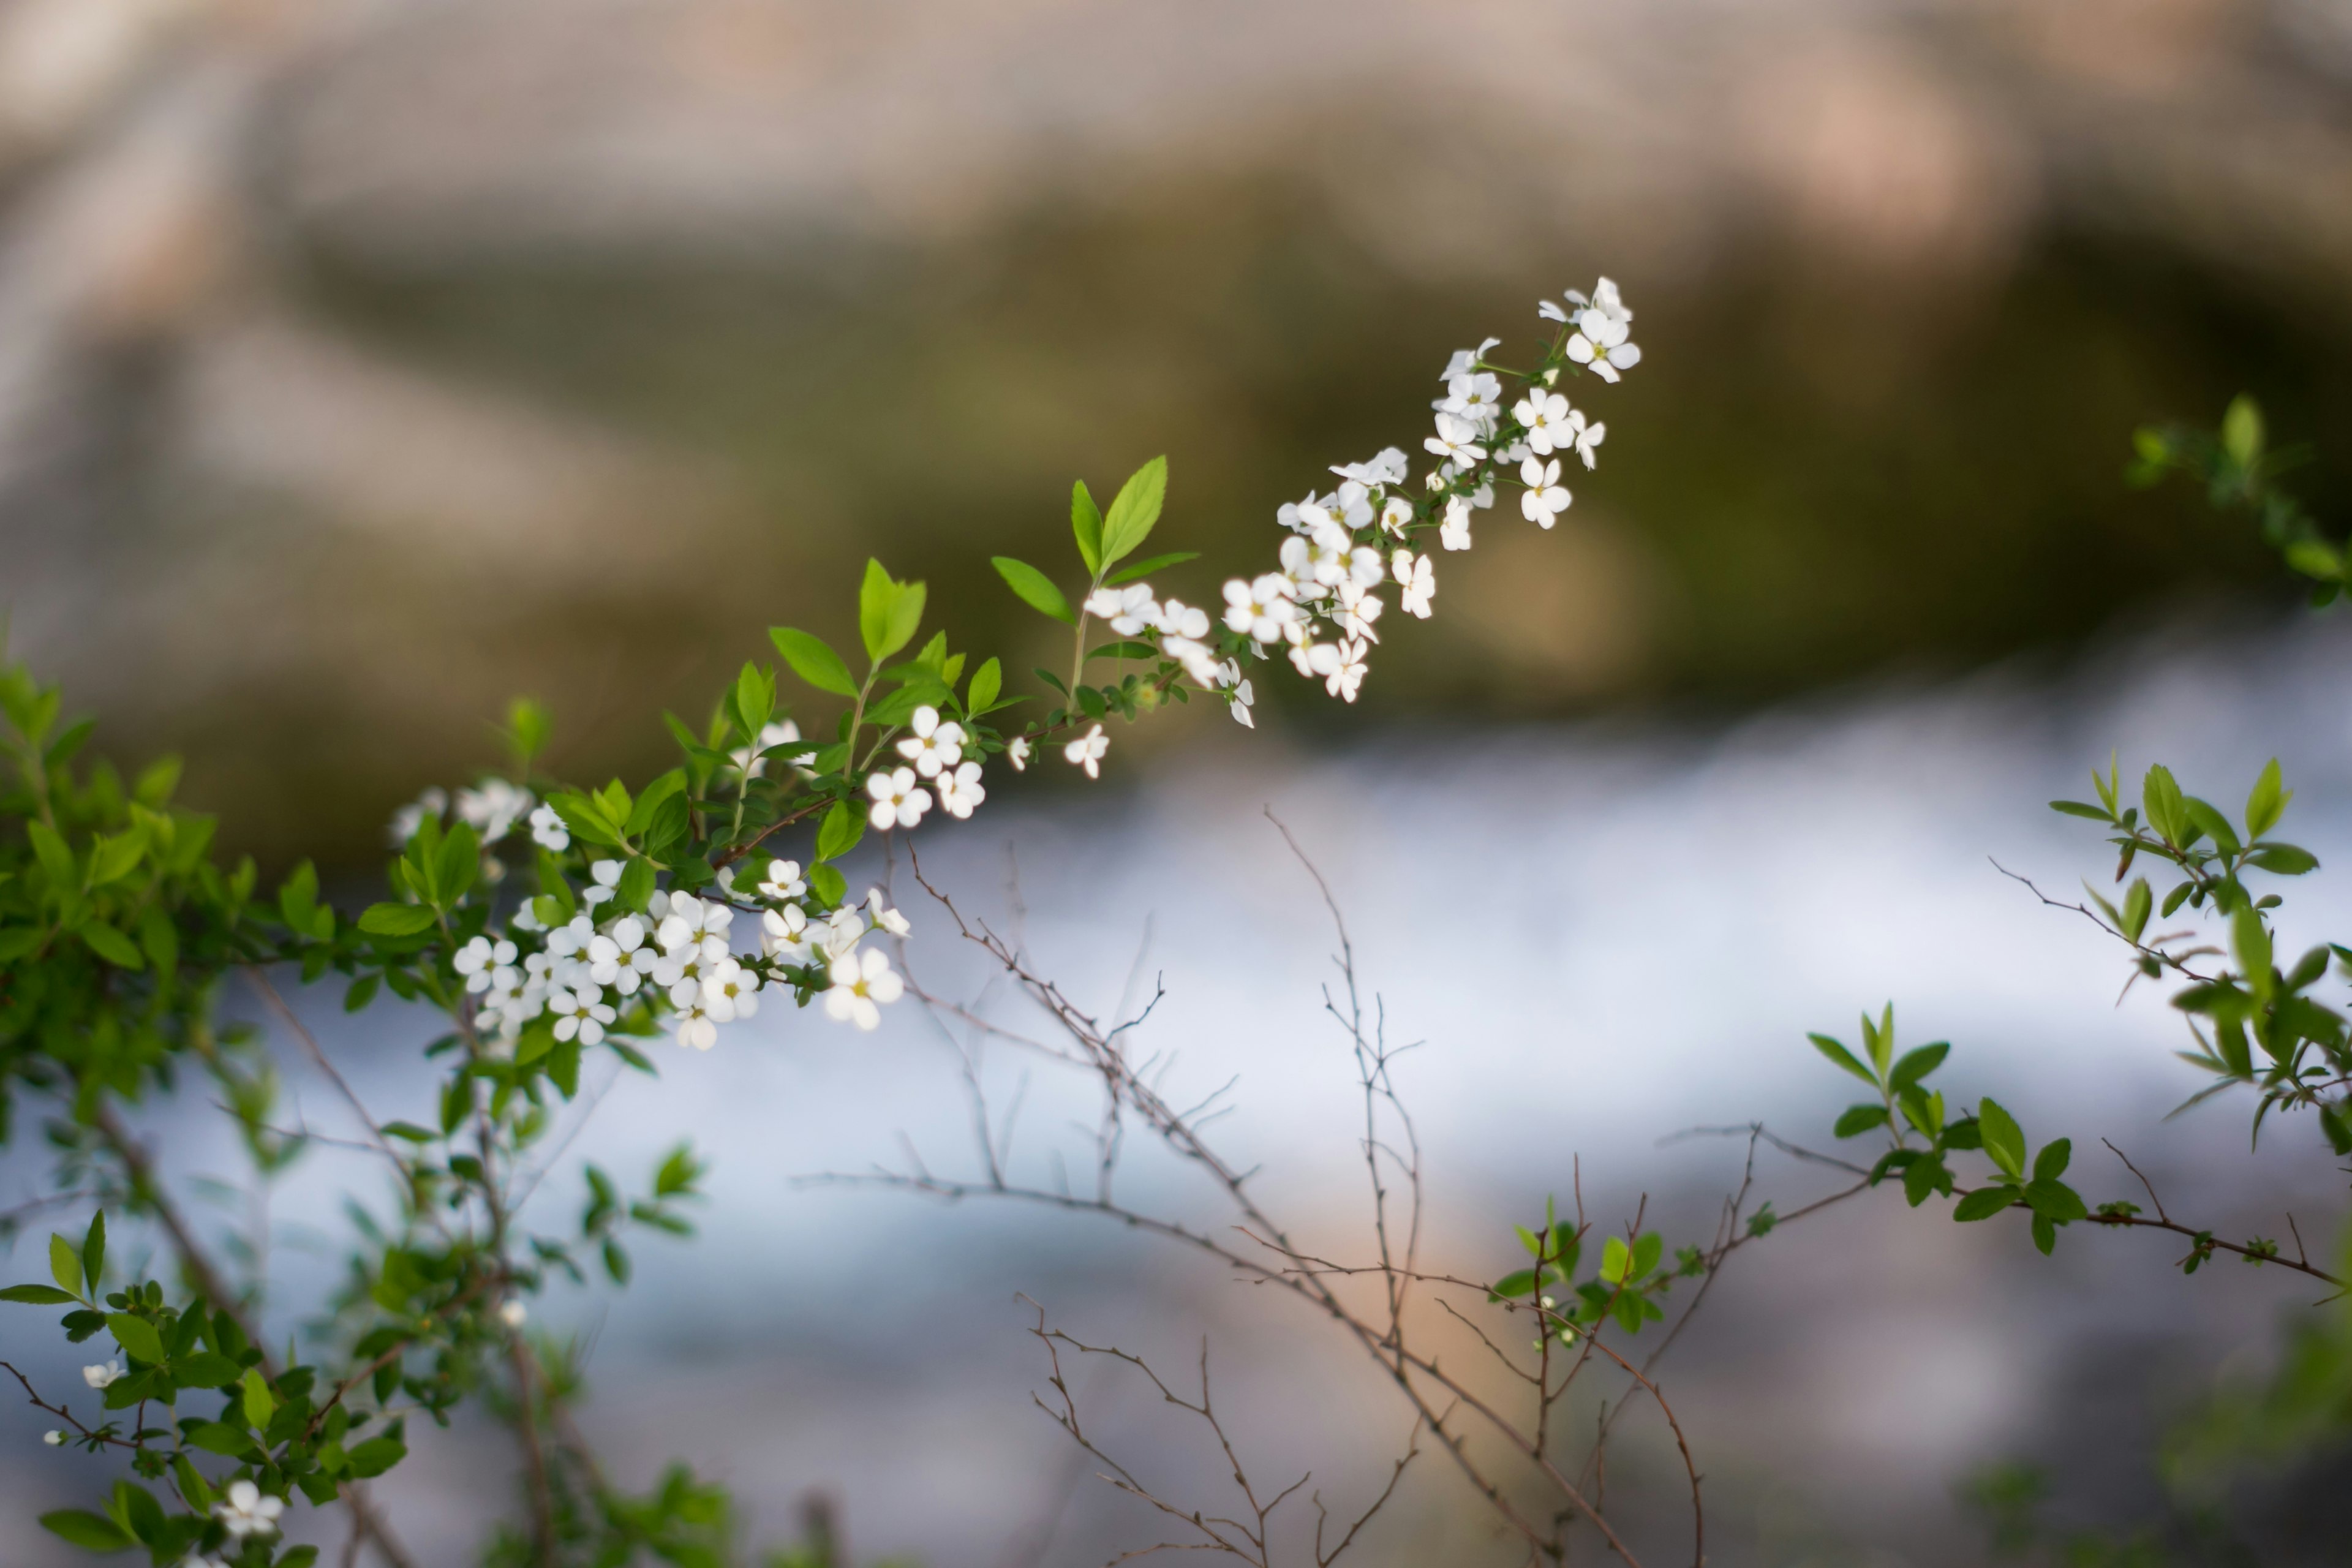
(365, 364)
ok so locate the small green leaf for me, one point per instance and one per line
(260, 1404)
(2051, 1164)
(219, 1437)
(1843, 1057)
(90, 1531)
(987, 683)
(2268, 801)
(1858, 1120)
(888, 612)
(65, 1266)
(1086, 527)
(1521, 1282)
(1036, 590)
(813, 661)
(2078, 809)
(2283, 859)
(2004, 1140)
(1984, 1203)
(2242, 431)
(1916, 1065)
(1134, 512)
(845, 825)
(1142, 569)
(38, 1296)
(1616, 1259)
(2249, 941)
(137, 1337)
(2137, 902)
(57, 859)
(111, 945)
(396, 920)
(93, 1251)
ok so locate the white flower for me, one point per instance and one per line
(1341, 667)
(1454, 531)
(1600, 342)
(1589, 436)
(1016, 752)
(1179, 619)
(1544, 500)
(248, 1511)
(1243, 698)
(410, 818)
(1260, 609)
(548, 830)
(1358, 611)
(747, 760)
(681, 970)
(694, 1028)
(691, 920)
(731, 992)
(1465, 361)
(896, 802)
(933, 745)
(960, 790)
(1418, 578)
(1086, 751)
(54, 1438)
(572, 938)
(882, 918)
(493, 809)
(844, 929)
(861, 984)
(1199, 660)
(1477, 397)
(783, 880)
(1544, 416)
(580, 1013)
(1386, 468)
(619, 958)
(1396, 515)
(480, 957)
(607, 875)
(1129, 610)
(99, 1376)
(1456, 440)
(781, 933)
(511, 1313)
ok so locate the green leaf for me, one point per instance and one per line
(2055, 1201)
(641, 815)
(1858, 1120)
(1134, 512)
(1616, 1258)
(260, 1404)
(219, 1437)
(2284, 859)
(56, 860)
(204, 1370)
(38, 1296)
(1036, 590)
(116, 857)
(1142, 569)
(813, 661)
(2249, 940)
(888, 612)
(827, 883)
(90, 1531)
(137, 1337)
(2207, 816)
(2137, 902)
(2242, 431)
(396, 920)
(2078, 809)
(1520, 1283)
(1087, 525)
(987, 683)
(2051, 1164)
(2268, 801)
(2160, 796)
(1648, 1248)
(1917, 1064)
(376, 1456)
(845, 825)
(93, 1251)
(1983, 1203)
(1843, 1057)
(65, 1266)
(111, 945)
(2003, 1140)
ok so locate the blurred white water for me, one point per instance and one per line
(1605, 934)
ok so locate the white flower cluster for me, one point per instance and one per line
(934, 751)
(1320, 604)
